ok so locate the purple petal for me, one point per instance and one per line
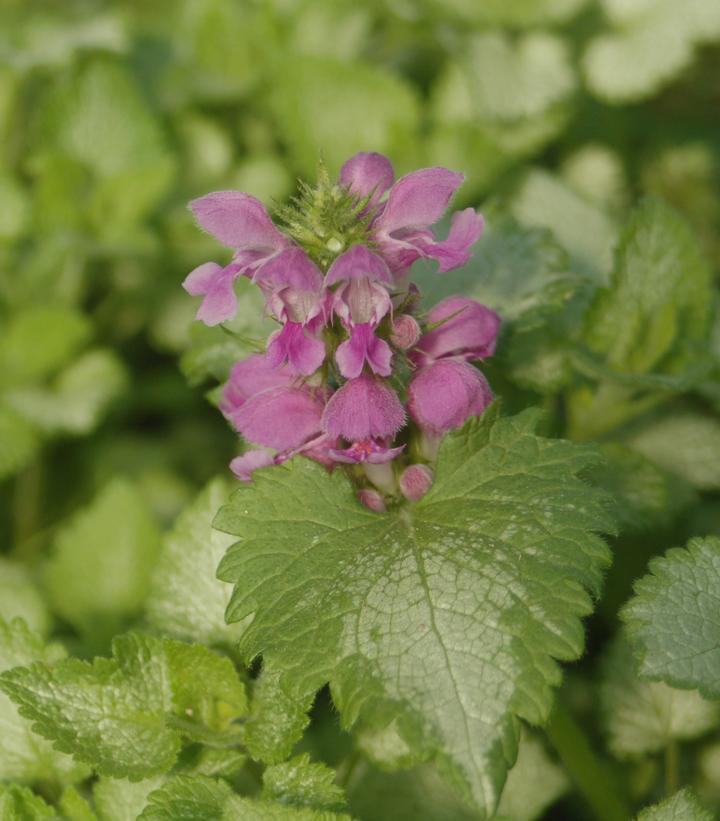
(444, 395)
(372, 500)
(363, 408)
(303, 353)
(455, 251)
(357, 263)
(363, 346)
(415, 481)
(237, 220)
(291, 268)
(216, 284)
(468, 329)
(244, 466)
(367, 173)
(248, 377)
(281, 418)
(360, 301)
(418, 199)
(405, 331)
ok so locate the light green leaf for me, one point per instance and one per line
(334, 108)
(685, 442)
(99, 571)
(117, 799)
(644, 717)
(21, 598)
(674, 621)
(582, 228)
(655, 312)
(534, 783)
(19, 442)
(25, 756)
(126, 715)
(186, 600)
(301, 782)
(683, 806)
(518, 14)
(21, 804)
(445, 616)
(38, 341)
(74, 807)
(239, 808)
(77, 399)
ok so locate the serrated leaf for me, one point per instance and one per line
(21, 598)
(78, 397)
(683, 806)
(445, 616)
(21, 804)
(25, 756)
(522, 273)
(642, 717)
(673, 619)
(99, 571)
(117, 799)
(126, 715)
(656, 309)
(186, 600)
(301, 782)
(683, 442)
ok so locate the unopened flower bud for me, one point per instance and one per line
(372, 500)
(405, 331)
(415, 481)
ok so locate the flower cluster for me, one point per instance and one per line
(353, 355)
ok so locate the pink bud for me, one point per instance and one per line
(372, 500)
(444, 395)
(415, 482)
(405, 331)
(467, 329)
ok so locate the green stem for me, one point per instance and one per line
(592, 776)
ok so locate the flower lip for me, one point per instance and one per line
(363, 408)
(237, 220)
(367, 174)
(356, 263)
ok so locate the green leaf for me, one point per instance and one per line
(655, 312)
(642, 717)
(126, 715)
(301, 782)
(674, 621)
(24, 755)
(99, 572)
(445, 616)
(534, 783)
(337, 108)
(519, 14)
(186, 600)
(38, 341)
(19, 442)
(683, 806)
(21, 598)
(77, 399)
(582, 228)
(683, 442)
(117, 799)
(21, 804)
(650, 46)
(74, 807)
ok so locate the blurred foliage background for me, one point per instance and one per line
(562, 114)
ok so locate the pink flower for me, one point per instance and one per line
(248, 377)
(283, 418)
(465, 329)
(368, 450)
(242, 223)
(363, 346)
(401, 227)
(363, 408)
(445, 394)
(244, 466)
(405, 331)
(372, 500)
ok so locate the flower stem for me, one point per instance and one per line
(592, 776)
